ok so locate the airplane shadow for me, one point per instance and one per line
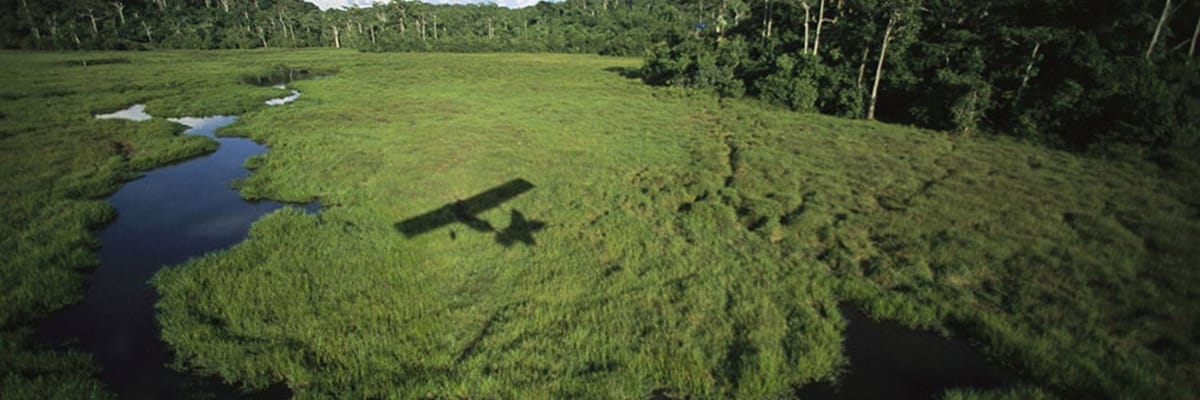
(465, 211)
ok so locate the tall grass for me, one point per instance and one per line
(692, 247)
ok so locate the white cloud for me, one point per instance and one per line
(327, 4)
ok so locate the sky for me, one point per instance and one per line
(325, 4)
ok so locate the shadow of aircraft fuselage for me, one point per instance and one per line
(465, 211)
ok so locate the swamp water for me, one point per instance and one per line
(167, 216)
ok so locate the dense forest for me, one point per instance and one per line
(592, 26)
(1074, 74)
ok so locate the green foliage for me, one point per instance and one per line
(696, 63)
(1018, 393)
(980, 67)
(792, 84)
(972, 96)
(41, 374)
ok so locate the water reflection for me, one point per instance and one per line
(136, 112)
(283, 100)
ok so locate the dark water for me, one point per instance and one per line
(888, 361)
(168, 216)
(284, 74)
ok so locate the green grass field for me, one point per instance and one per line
(690, 245)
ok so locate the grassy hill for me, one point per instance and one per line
(670, 241)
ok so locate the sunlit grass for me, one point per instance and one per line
(692, 246)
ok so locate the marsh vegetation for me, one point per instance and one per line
(1022, 224)
(686, 245)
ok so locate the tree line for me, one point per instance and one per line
(1077, 74)
(616, 27)
(1071, 73)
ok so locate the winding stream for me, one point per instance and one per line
(166, 217)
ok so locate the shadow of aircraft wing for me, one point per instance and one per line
(465, 210)
(492, 197)
(427, 222)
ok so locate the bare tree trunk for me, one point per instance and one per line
(435, 30)
(262, 36)
(92, 17)
(766, 33)
(769, 19)
(33, 27)
(225, 5)
(372, 29)
(120, 11)
(421, 27)
(403, 16)
(720, 22)
(1029, 68)
(337, 40)
(149, 37)
(282, 23)
(1192, 50)
(887, 38)
(1158, 30)
(492, 32)
(807, 18)
(862, 67)
(820, 21)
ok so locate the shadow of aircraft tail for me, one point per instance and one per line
(519, 230)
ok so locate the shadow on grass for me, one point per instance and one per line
(284, 74)
(465, 211)
(631, 73)
(93, 61)
(889, 361)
